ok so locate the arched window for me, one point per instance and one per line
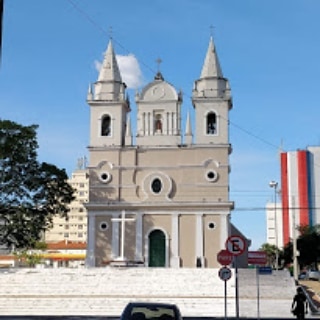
(106, 126)
(211, 123)
(158, 124)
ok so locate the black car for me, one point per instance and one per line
(150, 311)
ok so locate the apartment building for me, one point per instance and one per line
(74, 229)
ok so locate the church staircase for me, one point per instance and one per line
(105, 291)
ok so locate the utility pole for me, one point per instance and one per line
(274, 184)
(294, 240)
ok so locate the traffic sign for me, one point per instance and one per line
(265, 270)
(224, 273)
(257, 257)
(224, 257)
(236, 245)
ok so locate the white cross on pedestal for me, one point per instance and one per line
(123, 220)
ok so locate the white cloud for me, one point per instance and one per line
(97, 65)
(130, 70)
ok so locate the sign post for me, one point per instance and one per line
(236, 245)
(257, 258)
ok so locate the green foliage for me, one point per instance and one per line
(308, 245)
(288, 254)
(271, 251)
(30, 259)
(31, 192)
(40, 245)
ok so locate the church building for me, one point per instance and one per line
(162, 198)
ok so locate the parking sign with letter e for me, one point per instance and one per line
(236, 245)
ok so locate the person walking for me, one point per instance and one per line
(299, 305)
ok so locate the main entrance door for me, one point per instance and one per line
(157, 249)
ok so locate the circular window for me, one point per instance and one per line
(105, 177)
(212, 176)
(156, 185)
(211, 225)
(104, 226)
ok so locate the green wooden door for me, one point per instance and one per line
(157, 249)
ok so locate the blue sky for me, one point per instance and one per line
(269, 51)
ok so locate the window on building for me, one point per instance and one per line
(158, 124)
(106, 126)
(80, 226)
(156, 185)
(211, 123)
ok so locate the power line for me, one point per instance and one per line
(103, 31)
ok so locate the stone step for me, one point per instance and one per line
(105, 291)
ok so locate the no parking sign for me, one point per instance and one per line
(236, 245)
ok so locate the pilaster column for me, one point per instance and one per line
(143, 124)
(199, 239)
(175, 123)
(152, 131)
(139, 242)
(115, 236)
(91, 259)
(148, 123)
(224, 227)
(175, 259)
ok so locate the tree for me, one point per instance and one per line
(271, 251)
(308, 245)
(288, 253)
(31, 193)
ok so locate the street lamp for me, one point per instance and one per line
(274, 184)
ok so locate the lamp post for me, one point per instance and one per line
(273, 184)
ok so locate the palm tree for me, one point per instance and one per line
(271, 251)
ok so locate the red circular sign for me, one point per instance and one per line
(236, 245)
(224, 257)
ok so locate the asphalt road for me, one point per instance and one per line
(116, 318)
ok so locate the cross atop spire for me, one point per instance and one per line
(158, 75)
(110, 32)
(158, 61)
(211, 30)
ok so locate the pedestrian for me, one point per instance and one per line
(299, 305)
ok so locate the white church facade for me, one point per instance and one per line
(164, 200)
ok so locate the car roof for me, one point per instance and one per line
(160, 304)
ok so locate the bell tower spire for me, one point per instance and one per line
(109, 104)
(109, 84)
(211, 66)
(211, 99)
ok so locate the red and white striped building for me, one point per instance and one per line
(300, 190)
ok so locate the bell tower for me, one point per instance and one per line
(108, 104)
(211, 99)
